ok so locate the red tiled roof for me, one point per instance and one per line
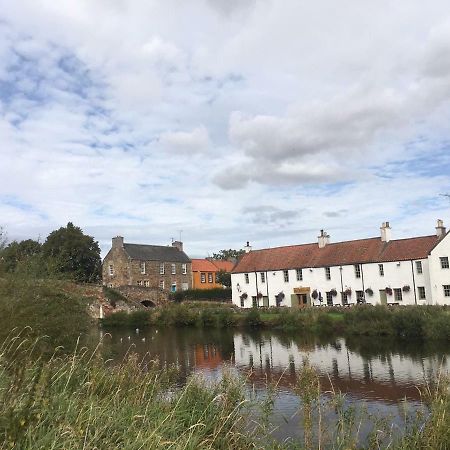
(226, 266)
(336, 254)
(203, 265)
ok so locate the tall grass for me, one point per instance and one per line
(80, 401)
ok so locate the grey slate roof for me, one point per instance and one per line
(155, 253)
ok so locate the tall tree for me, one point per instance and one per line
(16, 253)
(229, 254)
(74, 254)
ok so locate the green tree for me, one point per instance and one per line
(73, 253)
(224, 278)
(229, 254)
(19, 253)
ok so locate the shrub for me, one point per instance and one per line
(253, 318)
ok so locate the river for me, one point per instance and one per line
(381, 376)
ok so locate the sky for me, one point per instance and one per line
(224, 121)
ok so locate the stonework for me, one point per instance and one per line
(142, 266)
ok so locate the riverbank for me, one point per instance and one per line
(412, 322)
(84, 401)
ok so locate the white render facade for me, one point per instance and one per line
(415, 281)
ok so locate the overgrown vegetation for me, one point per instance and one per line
(414, 322)
(83, 401)
(209, 295)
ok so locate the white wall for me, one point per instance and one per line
(439, 276)
(396, 275)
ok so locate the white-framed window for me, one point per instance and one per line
(357, 271)
(329, 299)
(286, 276)
(203, 277)
(446, 290)
(146, 283)
(421, 292)
(299, 273)
(359, 296)
(247, 281)
(184, 269)
(444, 262)
(263, 277)
(161, 269)
(327, 273)
(210, 277)
(161, 284)
(139, 283)
(419, 267)
(111, 270)
(381, 270)
(398, 295)
(142, 267)
(174, 269)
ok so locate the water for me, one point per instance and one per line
(377, 375)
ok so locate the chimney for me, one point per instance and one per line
(440, 229)
(248, 248)
(385, 232)
(178, 245)
(324, 239)
(117, 242)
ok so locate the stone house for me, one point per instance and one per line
(151, 266)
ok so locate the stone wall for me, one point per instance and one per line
(120, 262)
(138, 295)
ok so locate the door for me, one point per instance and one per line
(266, 301)
(383, 297)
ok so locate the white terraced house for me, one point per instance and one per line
(412, 271)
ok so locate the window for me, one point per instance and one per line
(174, 269)
(446, 290)
(185, 286)
(161, 269)
(242, 302)
(286, 276)
(421, 291)
(111, 270)
(147, 283)
(329, 299)
(161, 284)
(184, 269)
(299, 274)
(344, 298)
(246, 278)
(381, 270)
(142, 268)
(173, 288)
(139, 283)
(444, 262)
(254, 301)
(419, 267)
(327, 273)
(398, 295)
(263, 277)
(210, 277)
(360, 297)
(357, 271)
(203, 277)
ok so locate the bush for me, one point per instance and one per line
(216, 294)
(253, 318)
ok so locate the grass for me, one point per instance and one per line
(413, 322)
(81, 401)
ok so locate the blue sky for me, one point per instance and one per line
(230, 120)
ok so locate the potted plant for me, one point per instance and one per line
(259, 295)
(388, 291)
(333, 292)
(244, 296)
(315, 294)
(406, 288)
(369, 292)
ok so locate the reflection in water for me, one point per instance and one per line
(380, 372)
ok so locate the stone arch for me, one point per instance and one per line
(148, 303)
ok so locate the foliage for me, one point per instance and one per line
(224, 278)
(216, 294)
(81, 401)
(3, 239)
(19, 253)
(46, 308)
(76, 255)
(253, 319)
(229, 254)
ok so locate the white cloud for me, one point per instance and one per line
(188, 142)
